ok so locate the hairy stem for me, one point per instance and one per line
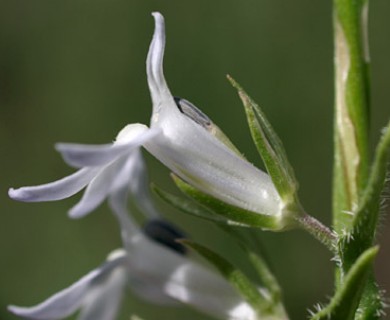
(319, 231)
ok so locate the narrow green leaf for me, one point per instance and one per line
(270, 147)
(346, 299)
(236, 277)
(237, 215)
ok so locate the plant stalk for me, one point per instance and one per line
(351, 119)
(319, 231)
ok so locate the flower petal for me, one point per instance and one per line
(118, 197)
(80, 155)
(87, 155)
(97, 190)
(131, 178)
(128, 227)
(60, 304)
(164, 104)
(118, 204)
(105, 296)
(67, 301)
(154, 63)
(134, 176)
(56, 190)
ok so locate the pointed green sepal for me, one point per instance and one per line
(270, 147)
(265, 308)
(344, 303)
(238, 216)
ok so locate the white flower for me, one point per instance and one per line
(153, 266)
(154, 273)
(181, 137)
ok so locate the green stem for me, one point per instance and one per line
(319, 231)
(351, 108)
(351, 148)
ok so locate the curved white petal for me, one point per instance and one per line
(104, 297)
(67, 301)
(98, 189)
(199, 158)
(119, 193)
(130, 137)
(58, 306)
(129, 173)
(131, 179)
(56, 190)
(137, 180)
(87, 155)
(118, 204)
(154, 64)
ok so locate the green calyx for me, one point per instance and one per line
(235, 215)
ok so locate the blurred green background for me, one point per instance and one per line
(74, 71)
